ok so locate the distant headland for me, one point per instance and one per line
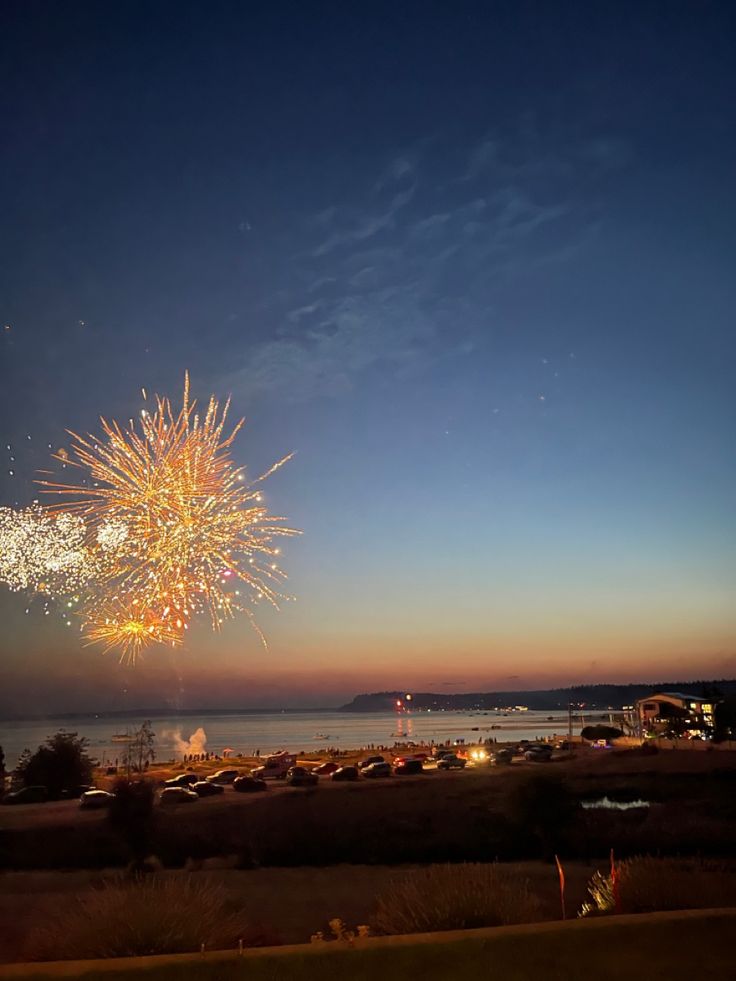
(594, 696)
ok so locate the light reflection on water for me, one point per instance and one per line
(614, 805)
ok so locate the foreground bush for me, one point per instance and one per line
(128, 917)
(455, 897)
(131, 815)
(543, 810)
(646, 885)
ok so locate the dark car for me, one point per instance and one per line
(223, 776)
(325, 769)
(452, 762)
(442, 753)
(369, 761)
(502, 757)
(300, 776)
(408, 767)
(382, 769)
(182, 780)
(27, 795)
(249, 785)
(345, 773)
(75, 792)
(538, 754)
(203, 788)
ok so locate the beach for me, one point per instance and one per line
(179, 734)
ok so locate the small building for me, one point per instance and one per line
(674, 713)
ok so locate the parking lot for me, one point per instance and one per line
(68, 812)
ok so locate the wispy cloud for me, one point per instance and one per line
(405, 277)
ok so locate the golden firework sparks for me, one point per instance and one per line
(168, 526)
(125, 628)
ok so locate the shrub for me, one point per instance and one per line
(646, 885)
(151, 914)
(455, 897)
(542, 809)
(131, 815)
(592, 733)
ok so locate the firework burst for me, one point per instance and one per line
(165, 528)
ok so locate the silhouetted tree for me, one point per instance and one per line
(61, 765)
(16, 777)
(542, 808)
(725, 720)
(140, 750)
(131, 815)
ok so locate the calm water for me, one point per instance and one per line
(268, 731)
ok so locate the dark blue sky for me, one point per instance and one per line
(473, 262)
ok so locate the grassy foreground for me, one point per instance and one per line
(676, 946)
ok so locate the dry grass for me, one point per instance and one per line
(126, 917)
(649, 885)
(455, 897)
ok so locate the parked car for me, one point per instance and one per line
(300, 776)
(345, 773)
(74, 793)
(182, 780)
(223, 776)
(452, 762)
(502, 757)
(27, 795)
(441, 753)
(325, 769)
(538, 754)
(93, 800)
(382, 769)
(178, 795)
(249, 785)
(408, 767)
(275, 767)
(204, 788)
(369, 761)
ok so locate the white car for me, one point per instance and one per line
(92, 800)
(178, 795)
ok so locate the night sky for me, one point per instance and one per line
(472, 262)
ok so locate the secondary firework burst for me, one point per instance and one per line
(44, 553)
(180, 530)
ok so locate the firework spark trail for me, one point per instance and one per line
(166, 525)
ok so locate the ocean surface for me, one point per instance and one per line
(269, 731)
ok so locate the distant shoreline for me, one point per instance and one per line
(598, 698)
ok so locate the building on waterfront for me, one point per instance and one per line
(672, 713)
